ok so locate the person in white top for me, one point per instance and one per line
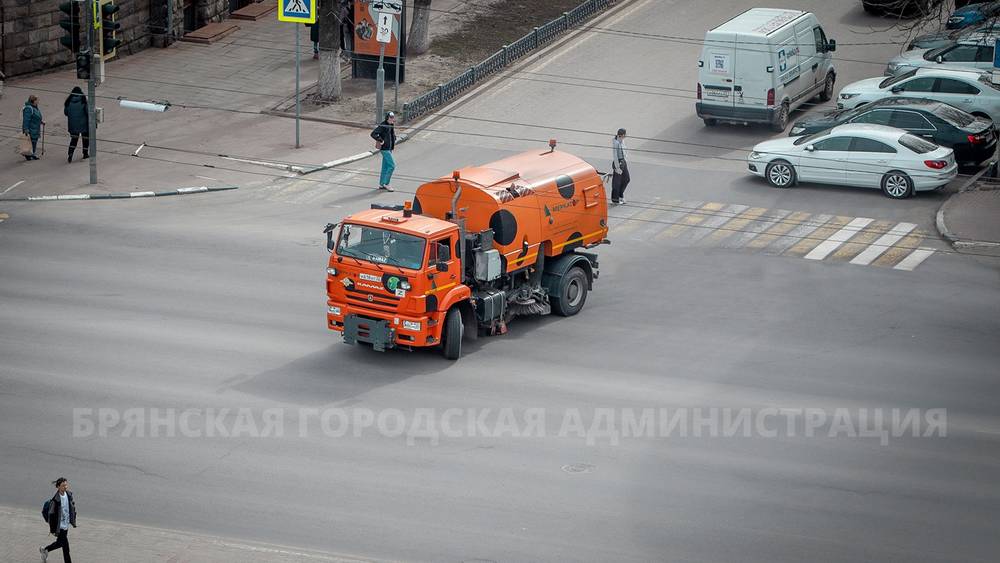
(60, 516)
(621, 178)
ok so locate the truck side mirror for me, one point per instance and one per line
(831, 45)
(328, 229)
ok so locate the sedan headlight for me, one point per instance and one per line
(411, 325)
(331, 271)
(844, 96)
(334, 310)
(797, 130)
(755, 155)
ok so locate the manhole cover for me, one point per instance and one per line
(579, 468)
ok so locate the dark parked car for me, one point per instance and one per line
(973, 14)
(947, 37)
(973, 138)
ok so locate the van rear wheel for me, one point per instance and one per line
(827, 92)
(780, 119)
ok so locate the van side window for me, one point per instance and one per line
(820, 39)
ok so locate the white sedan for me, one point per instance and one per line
(969, 90)
(856, 154)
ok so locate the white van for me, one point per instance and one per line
(761, 65)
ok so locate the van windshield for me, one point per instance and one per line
(897, 79)
(381, 246)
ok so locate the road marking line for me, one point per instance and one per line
(670, 213)
(734, 224)
(691, 219)
(801, 239)
(879, 247)
(902, 248)
(914, 259)
(12, 187)
(709, 226)
(861, 241)
(838, 238)
(638, 220)
(777, 228)
(618, 214)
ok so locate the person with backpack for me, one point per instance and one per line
(385, 142)
(78, 121)
(60, 513)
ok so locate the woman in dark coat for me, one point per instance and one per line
(75, 109)
(31, 124)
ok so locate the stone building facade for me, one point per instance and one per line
(30, 34)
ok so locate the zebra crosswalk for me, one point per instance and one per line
(860, 241)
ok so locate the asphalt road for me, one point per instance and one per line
(212, 302)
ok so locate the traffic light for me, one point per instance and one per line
(70, 22)
(83, 59)
(109, 29)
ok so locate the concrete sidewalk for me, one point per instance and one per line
(217, 94)
(23, 531)
(970, 219)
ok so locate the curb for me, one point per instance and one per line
(346, 160)
(120, 195)
(942, 227)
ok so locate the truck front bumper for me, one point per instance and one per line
(384, 330)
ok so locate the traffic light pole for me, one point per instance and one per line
(91, 17)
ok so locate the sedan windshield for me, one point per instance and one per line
(897, 79)
(381, 246)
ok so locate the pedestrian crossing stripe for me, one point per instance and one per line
(861, 241)
(297, 11)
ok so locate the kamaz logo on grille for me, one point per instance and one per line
(371, 298)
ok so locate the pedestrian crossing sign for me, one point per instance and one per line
(297, 11)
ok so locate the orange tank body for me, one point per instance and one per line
(547, 201)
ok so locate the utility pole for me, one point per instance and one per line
(92, 18)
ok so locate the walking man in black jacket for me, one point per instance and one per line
(385, 142)
(61, 515)
(78, 121)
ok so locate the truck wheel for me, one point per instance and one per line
(572, 293)
(451, 345)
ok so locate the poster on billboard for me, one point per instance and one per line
(366, 17)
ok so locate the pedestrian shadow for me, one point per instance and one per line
(339, 373)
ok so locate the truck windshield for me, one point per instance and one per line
(381, 246)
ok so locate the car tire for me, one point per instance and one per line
(897, 185)
(781, 119)
(780, 174)
(451, 343)
(827, 94)
(710, 122)
(572, 293)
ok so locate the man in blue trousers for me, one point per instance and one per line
(385, 142)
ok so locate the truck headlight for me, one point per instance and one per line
(404, 285)
(334, 311)
(844, 96)
(331, 271)
(411, 325)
